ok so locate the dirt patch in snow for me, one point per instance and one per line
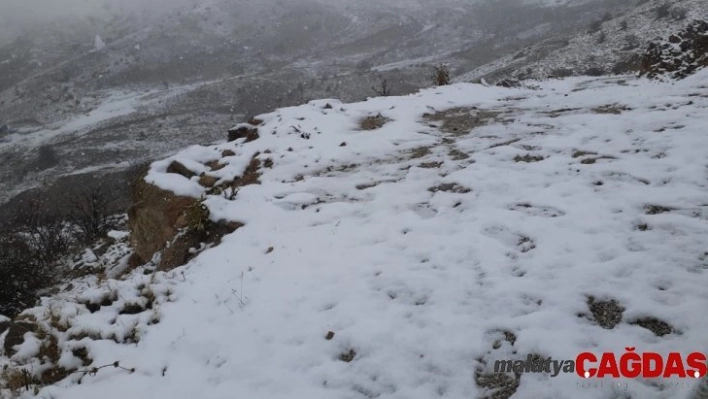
(450, 188)
(373, 122)
(656, 326)
(607, 314)
(528, 158)
(461, 120)
(614, 109)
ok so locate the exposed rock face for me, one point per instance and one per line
(681, 55)
(177, 253)
(161, 221)
(155, 218)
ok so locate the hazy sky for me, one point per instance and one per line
(18, 14)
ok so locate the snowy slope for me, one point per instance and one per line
(613, 46)
(419, 245)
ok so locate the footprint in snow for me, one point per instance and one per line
(537, 210)
(519, 242)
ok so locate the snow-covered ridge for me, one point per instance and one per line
(423, 239)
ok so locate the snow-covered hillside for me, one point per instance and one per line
(612, 43)
(395, 248)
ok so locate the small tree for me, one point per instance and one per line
(602, 37)
(42, 230)
(383, 88)
(89, 211)
(46, 157)
(441, 75)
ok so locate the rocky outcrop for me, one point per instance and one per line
(160, 221)
(154, 219)
(681, 55)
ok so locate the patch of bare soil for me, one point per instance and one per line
(497, 385)
(614, 109)
(420, 152)
(461, 120)
(450, 188)
(657, 326)
(373, 122)
(607, 314)
(528, 158)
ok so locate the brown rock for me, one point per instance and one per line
(243, 131)
(208, 181)
(154, 219)
(215, 165)
(255, 121)
(178, 168)
(330, 335)
(178, 253)
(227, 153)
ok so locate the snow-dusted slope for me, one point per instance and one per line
(422, 247)
(615, 44)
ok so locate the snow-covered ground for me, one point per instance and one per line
(419, 246)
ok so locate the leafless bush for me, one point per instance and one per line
(602, 37)
(441, 75)
(383, 88)
(46, 157)
(90, 212)
(43, 230)
(21, 276)
(29, 249)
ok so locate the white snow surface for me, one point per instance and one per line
(346, 233)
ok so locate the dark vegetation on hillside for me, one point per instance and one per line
(41, 229)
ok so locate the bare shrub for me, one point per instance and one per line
(46, 157)
(43, 230)
(441, 75)
(602, 37)
(90, 212)
(383, 88)
(29, 249)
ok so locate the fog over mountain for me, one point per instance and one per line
(103, 84)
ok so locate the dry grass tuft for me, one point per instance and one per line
(373, 122)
